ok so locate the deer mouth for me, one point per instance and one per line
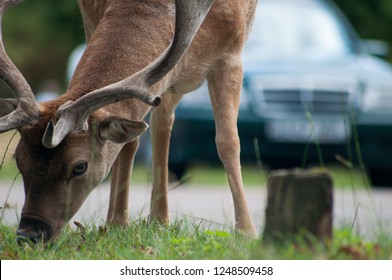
(33, 229)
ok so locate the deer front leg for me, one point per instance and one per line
(119, 188)
(161, 123)
(225, 83)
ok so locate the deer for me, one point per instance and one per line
(141, 57)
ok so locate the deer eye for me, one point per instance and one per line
(79, 168)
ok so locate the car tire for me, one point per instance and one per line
(177, 171)
(380, 177)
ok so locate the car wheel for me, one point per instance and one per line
(380, 177)
(177, 171)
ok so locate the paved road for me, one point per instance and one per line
(213, 206)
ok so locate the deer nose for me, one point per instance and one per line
(33, 230)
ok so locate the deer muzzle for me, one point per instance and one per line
(35, 230)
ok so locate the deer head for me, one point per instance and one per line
(68, 145)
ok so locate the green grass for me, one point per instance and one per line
(185, 240)
(8, 171)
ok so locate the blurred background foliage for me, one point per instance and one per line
(39, 35)
(372, 19)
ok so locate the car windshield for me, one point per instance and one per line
(301, 29)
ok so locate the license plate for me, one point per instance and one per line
(332, 132)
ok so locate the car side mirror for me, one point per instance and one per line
(375, 47)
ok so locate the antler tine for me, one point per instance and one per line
(72, 116)
(189, 17)
(27, 110)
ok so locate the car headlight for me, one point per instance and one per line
(377, 99)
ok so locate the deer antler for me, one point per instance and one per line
(73, 115)
(27, 110)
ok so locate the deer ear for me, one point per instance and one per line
(121, 130)
(7, 106)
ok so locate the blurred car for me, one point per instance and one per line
(313, 92)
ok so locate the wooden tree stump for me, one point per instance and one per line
(298, 201)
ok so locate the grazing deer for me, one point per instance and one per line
(141, 56)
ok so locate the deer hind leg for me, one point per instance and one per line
(119, 188)
(161, 123)
(225, 83)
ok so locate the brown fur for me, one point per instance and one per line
(123, 37)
